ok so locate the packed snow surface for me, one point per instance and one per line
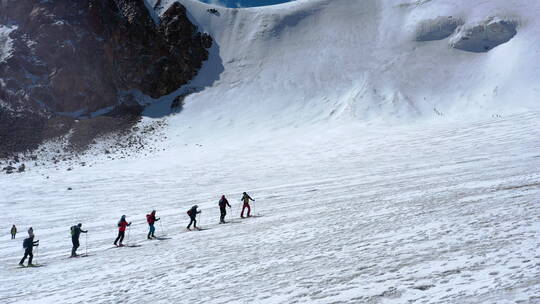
(385, 170)
(349, 216)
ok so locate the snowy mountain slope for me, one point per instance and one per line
(447, 215)
(345, 60)
(411, 210)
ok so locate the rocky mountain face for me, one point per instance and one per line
(63, 63)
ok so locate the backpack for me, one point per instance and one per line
(72, 230)
(148, 218)
(25, 243)
(189, 212)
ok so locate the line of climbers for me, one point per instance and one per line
(29, 243)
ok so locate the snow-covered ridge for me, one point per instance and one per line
(344, 60)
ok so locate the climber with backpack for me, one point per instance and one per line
(13, 232)
(223, 203)
(75, 233)
(122, 225)
(151, 219)
(245, 199)
(192, 213)
(28, 245)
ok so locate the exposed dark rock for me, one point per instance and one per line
(84, 132)
(72, 59)
(21, 168)
(485, 36)
(24, 130)
(8, 168)
(213, 11)
(424, 287)
(127, 108)
(178, 102)
(437, 29)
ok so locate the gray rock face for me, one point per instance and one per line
(485, 36)
(437, 29)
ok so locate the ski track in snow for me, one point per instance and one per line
(431, 213)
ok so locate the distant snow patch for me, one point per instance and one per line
(6, 43)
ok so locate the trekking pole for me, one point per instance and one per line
(37, 251)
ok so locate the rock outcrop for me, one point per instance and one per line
(73, 59)
(485, 36)
(437, 29)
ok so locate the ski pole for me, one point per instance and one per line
(161, 225)
(129, 229)
(86, 244)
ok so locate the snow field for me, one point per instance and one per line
(5, 42)
(452, 218)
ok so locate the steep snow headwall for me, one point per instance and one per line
(343, 60)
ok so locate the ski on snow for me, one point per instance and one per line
(84, 255)
(33, 266)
